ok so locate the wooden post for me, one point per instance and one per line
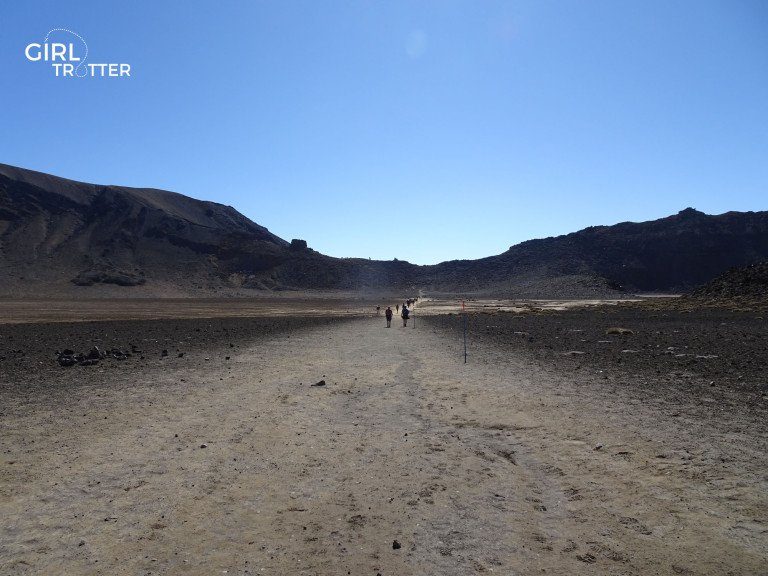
(464, 314)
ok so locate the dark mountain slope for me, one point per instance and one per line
(670, 254)
(58, 236)
(55, 230)
(745, 284)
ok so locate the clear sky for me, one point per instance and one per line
(422, 130)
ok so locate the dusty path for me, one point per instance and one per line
(488, 467)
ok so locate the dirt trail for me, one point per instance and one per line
(488, 467)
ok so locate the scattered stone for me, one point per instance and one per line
(180, 355)
(94, 354)
(598, 447)
(69, 358)
(66, 360)
(620, 331)
(321, 383)
(203, 445)
(164, 353)
(396, 545)
(118, 354)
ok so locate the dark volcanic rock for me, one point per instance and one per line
(745, 284)
(669, 351)
(121, 278)
(67, 360)
(34, 369)
(94, 354)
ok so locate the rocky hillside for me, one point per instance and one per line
(748, 284)
(61, 237)
(671, 254)
(56, 231)
(57, 235)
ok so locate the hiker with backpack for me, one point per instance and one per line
(404, 315)
(388, 314)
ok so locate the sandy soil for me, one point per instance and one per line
(16, 311)
(203, 465)
(23, 311)
(437, 306)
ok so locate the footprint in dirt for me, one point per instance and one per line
(572, 494)
(634, 524)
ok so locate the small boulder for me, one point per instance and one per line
(118, 354)
(66, 360)
(620, 331)
(94, 354)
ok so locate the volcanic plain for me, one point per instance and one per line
(305, 437)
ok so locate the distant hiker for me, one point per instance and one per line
(378, 310)
(388, 314)
(397, 307)
(404, 315)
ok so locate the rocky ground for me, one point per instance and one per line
(743, 287)
(29, 352)
(556, 449)
(670, 352)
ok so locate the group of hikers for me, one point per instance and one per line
(404, 314)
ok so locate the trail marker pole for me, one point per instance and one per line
(464, 314)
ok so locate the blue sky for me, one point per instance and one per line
(425, 131)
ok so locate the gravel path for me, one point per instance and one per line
(202, 465)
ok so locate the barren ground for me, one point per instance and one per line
(203, 465)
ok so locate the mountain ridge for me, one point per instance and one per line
(60, 235)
